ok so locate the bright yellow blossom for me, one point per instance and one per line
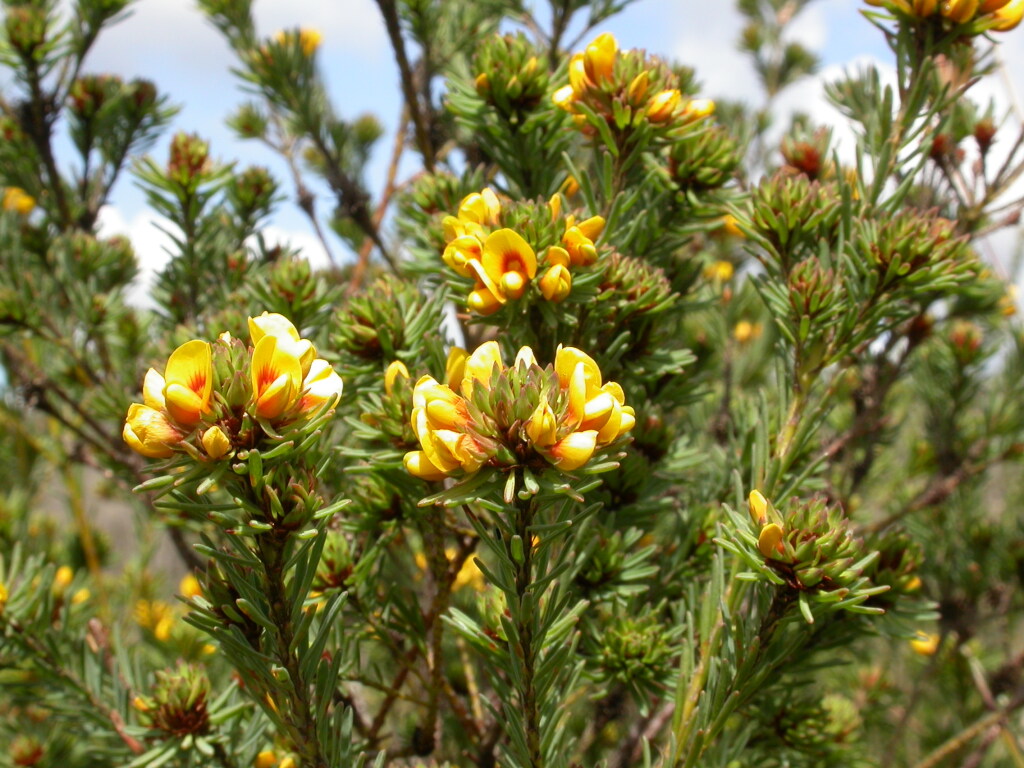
(189, 586)
(556, 283)
(18, 200)
(216, 443)
(1009, 16)
(925, 643)
(188, 382)
(148, 432)
(62, 579)
(265, 759)
(599, 58)
(769, 542)
(663, 105)
(322, 383)
(276, 377)
(394, 370)
(309, 39)
(274, 324)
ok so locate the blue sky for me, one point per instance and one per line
(169, 42)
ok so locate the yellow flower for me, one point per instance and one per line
(147, 431)
(599, 58)
(719, 271)
(769, 542)
(309, 39)
(469, 574)
(189, 586)
(443, 407)
(273, 324)
(460, 252)
(578, 78)
(637, 90)
(574, 450)
(556, 283)
(1009, 16)
(758, 505)
(288, 762)
(746, 331)
(696, 109)
(18, 200)
(80, 596)
(509, 262)
(4, 594)
(479, 366)
(455, 227)
(216, 443)
(455, 367)
(155, 616)
(662, 105)
(542, 427)
(188, 382)
(581, 249)
(396, 369)
(989, 6)
(731, 226)
(419, 465)
(564, 97)
(322, 383)
(265, 759)
(481, 207)
(959, 11)
(925, 644)
(62, 579)
(276, 378)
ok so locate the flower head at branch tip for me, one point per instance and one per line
(18, 200)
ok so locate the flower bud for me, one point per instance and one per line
(637, 91)
(556, 283)
(758, 505)
(662, 105)
(599, 58)
(769, 542)
(216, 443)
(396, 369)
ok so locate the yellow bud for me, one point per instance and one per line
(696, 109)
(80, 596)
(288, 762)
(637, 91)
(599, 58)
(556, 283)
(591, 228)
(265, 759)
(960, 11)
(913, 585)
(746, 331)
(309, 40)
(18, 200)
(925, 644)
(558, 256)
(216, 443)
(662, 105)
(189, 586)
(483, 83)
(720, 271)
(542, 426)
(923, 8)
(140, 704)
(731, 226)
(62, 579)
(758, 505)
(3, 596)
(455, 367)
(396, 369)
(1009, 16)
(770, 540)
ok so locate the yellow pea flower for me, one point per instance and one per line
(578, 79)
(322, 383)
(1009, 16)
(481, 207)
(189, 586)
(599, 58)
(480, 365)
(769, 542)
(455, 367)
(18, 200)
(148, 432)
(574, 450)
(188, 382)
(276, 378)
(216, 443)
(580, 248)
(279, 326)
(460, 252)
(62, 579)
(265, 759)
(758, 505)
(419, 465)
(637, 90)
(396, 369)
(556, 283)
(925, 644)
(960, 11)
(697, 109)
(719, 271)
(509, 262)
(662, 105)
(542, 428)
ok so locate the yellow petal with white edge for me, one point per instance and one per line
(188, 381)
(273, 323)
(147, 431)
(480, 366)
(321, 384)
(525, 357)
(574, 450)
(153, 390)
(418, 465)
(505, 250)
(216, 443)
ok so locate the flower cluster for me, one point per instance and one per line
(308, 39)
(18, 200)
(623, 85)
(1000, 15)
(490, 414)
(210, 397)
(502, 263)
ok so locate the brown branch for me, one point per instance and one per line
(359, 271)
(389, 11)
